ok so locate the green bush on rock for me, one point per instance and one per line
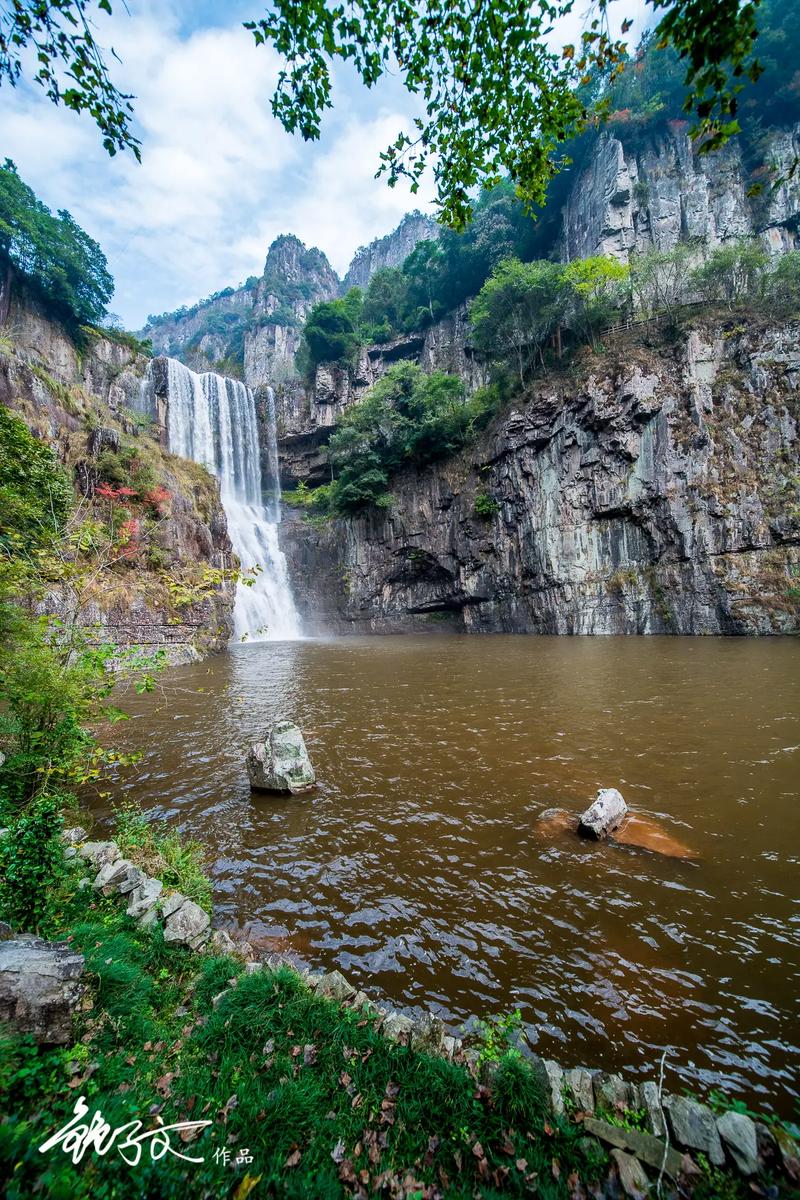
(407, 418)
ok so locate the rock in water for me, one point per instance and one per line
(604, 815)
(40, 987)
(280, 763)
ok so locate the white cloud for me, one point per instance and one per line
(220, 179)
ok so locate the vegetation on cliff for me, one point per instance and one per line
(53, 256)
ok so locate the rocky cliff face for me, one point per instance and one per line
(87, 406)
(208, 333)
(389, 251)
(252, 332)
(656, 190)
(308, 413)
(654, 489)
(294, 280)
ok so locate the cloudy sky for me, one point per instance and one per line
(219, 178)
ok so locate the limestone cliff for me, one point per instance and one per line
(636, 192)
(308, 412)
(251, 332)
(391, 250)
(294, 280)
(652, 489)
(86, 405)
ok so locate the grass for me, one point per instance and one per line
(177, 862)
(313, 1091)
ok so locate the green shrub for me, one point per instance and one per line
(485, 506)
(499, 1035)
(31, 864)
(312, 499)
(731, 273)
(331, 333)
(35, 491)
(406, 417)
(126, 468)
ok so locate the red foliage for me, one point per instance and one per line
(158, 498)
(129, 545)
(111, 493)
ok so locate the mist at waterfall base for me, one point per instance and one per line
(212, 420)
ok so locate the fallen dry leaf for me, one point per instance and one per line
(293, 1159)
(246, 1186)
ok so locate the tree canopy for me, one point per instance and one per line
(497, 97)
(57, 258)
(406, 417)
(331, 332)
(70, 63)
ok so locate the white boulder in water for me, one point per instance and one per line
(280, 763)
(604, 815)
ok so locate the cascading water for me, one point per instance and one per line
(212, 420)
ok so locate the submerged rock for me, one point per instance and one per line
(280, 763)
(640, 832)
(604, 815)
(646, 834)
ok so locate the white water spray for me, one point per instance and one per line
(212, 420)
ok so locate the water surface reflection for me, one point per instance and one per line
(418, 865)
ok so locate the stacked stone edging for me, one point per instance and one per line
(676, 1127)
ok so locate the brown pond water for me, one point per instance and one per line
(419, 866)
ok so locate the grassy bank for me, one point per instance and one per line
(323, 1103)
(309, 1095)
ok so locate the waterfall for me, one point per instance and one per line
(212, 420)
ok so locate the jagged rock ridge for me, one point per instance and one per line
(389, 251)
(253, 332)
